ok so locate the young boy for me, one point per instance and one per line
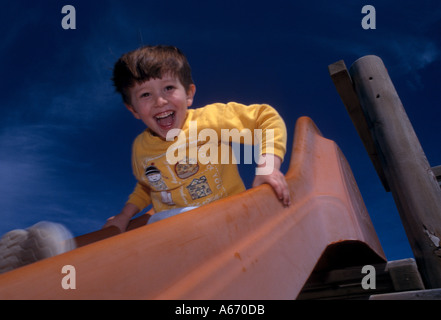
(156, 85)
(157, 88)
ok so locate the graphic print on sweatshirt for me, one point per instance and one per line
(154, 177)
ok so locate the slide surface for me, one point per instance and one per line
(247, 246)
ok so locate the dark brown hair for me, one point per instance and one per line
(150, 62)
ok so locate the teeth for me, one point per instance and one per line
(164, 115)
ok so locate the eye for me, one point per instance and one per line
(169, 88)
(145, 95)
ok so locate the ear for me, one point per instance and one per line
(190, 94)
(132, 110)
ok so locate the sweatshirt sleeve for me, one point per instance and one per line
(272, 134)
(140, 196)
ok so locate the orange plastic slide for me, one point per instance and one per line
(246, 246)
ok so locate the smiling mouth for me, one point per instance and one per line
(165, 119)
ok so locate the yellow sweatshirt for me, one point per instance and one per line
(186, 170)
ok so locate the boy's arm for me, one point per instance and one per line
(268, 171)
(138, 200)
(272, 140)
(122, 219)
(273, 135)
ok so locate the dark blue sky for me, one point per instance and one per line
(65, 136)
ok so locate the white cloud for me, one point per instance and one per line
(32, 163)
(414, 53)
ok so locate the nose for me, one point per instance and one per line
(161, 101)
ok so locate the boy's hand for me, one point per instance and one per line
(121, 220)
(270, 173)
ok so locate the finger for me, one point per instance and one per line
(286, 194)
(287, 198)
(279, 190)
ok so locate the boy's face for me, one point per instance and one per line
(161, 103)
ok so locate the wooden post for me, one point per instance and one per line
(437, 173)
(412, 182)
(343, 83)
